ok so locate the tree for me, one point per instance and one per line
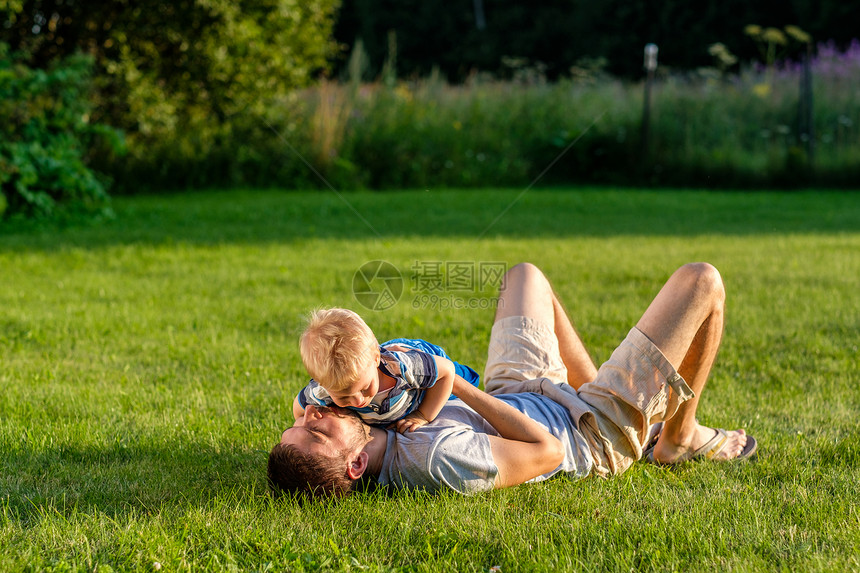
(160, 64)
(559, 33)
(190, 82)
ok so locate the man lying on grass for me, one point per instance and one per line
(547, 408)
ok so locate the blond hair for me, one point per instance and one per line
(336, 345)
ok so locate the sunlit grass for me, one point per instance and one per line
(148, 364)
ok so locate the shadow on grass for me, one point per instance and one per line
(279, 216)
(120, 479)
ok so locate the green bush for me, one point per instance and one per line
(44, 138)
(189, 82)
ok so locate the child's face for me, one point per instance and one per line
(361, 392)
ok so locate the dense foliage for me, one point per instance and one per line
(184, 79)
(162, 65)
(45, 135)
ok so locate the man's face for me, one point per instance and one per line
(327, 431)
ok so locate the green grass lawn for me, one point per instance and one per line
(148, 364)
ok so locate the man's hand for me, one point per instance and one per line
(409, 422)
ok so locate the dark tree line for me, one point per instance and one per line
(466, 35)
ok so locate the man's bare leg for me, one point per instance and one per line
(526, 292)
(685, 321)
(580, 366)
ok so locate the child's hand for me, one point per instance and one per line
(410, 422)
(398, 348)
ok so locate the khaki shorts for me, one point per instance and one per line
(636, 388)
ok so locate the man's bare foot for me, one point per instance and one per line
(704, 443)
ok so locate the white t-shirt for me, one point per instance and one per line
(453, 451)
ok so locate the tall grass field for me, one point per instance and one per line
(148, 364)
(706, 129)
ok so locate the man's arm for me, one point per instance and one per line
(434, 397)
(523, 450)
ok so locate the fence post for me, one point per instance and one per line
(650, 68)
(480, 20)
(807, 125)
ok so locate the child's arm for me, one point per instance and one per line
(434, 397)
(298, 411)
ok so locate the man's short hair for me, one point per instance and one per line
(336, 345)
(292, 471)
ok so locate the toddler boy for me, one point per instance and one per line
(404, 381)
